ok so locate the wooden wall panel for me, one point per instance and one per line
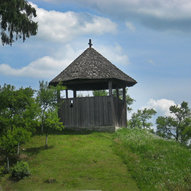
(91, 112)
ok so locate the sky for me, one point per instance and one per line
(147, 39)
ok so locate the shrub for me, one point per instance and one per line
(20, 170)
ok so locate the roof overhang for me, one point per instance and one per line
(94, 84)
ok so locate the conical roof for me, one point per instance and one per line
(92, 71)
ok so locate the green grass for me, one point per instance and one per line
(73, 162)
(155, 163)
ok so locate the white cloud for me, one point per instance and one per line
(40, 68)
(161, 106)
(157, 14)
(114, 54)
(130, 26)
(48, 67)
(64, 26)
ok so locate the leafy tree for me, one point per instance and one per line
(178, 125)
(47, 99)
(16, 20)
(48, 103)
(17, 118)
(21, 136)
(140, 119)
(8, 145)
(52, 122)
(17, 108)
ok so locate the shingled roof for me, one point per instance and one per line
(92, 71)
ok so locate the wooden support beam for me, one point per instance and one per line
(125, 107)
(110, 88)
(117, 91)
(66, 94)
(74, 93)
(124, 94)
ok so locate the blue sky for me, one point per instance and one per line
(147, 39)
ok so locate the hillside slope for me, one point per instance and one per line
(155, 163)
(73, 162)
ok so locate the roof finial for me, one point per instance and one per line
(90, 43)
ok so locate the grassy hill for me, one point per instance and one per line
(128, 160)
(75, 162)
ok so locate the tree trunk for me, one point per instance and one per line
(177, 134)
(8, 164)
(46, 141)
(18, 149)
(42, 129)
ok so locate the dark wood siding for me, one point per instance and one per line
(92, 113)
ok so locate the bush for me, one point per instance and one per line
(20, 170)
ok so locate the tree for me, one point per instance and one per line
(52, 122)
(47, 99)
(8, 146)
(140, 119)
(16, 20)
(48, 103)
(177, 126)
(17, 108)
(17, 118)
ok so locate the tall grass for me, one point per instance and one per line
(155, 163)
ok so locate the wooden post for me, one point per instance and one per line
(66, 94)
(110, 88)
(124, 94)
(117, 91)
(125, 106)
(74, 93)
(112, 104)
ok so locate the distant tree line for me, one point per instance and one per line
(177, 126)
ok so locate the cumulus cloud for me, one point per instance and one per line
(130, 26)
(48, 67)
(41, 68)
(161, 106)
(64, 26)
(157, 14)
(115, 54)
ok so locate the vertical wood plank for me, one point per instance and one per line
(66, 91)
(110, 88)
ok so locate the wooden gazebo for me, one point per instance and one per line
(92, 71)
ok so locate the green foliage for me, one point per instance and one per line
(178, 126)
(16, 20)
(17, 118)
(20, 170)
(155, 163)
(100, 93)
(48, 103)
(140, 119)
(17, 108)
(52, 120)
(8, 143)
